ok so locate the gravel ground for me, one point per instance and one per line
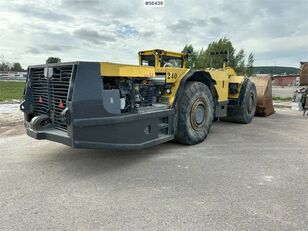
(11, 119)
(243, 177)
(9, 107)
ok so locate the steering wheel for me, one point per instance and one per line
(167, 65)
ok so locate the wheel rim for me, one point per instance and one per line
(198, 114)
(250, 103)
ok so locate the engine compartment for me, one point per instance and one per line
(138, 94)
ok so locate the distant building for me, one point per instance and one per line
(13, 75)
(304, 73)
(285, 80)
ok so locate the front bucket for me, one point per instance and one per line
(264, 95)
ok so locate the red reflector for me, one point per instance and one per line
(40, 99)
(61, 105)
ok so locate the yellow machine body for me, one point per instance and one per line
(125, 70)
(173, 74)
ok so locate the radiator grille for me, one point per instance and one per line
(50, 94)
(59, 84)
(39, 85)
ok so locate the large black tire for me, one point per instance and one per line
(194, 115)
(245, 112)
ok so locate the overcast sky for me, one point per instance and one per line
(114, 30)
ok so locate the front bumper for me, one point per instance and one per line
(50, 134)
(125, 132)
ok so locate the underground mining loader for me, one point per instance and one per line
(109, 105)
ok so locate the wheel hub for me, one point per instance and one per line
(198, 114)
